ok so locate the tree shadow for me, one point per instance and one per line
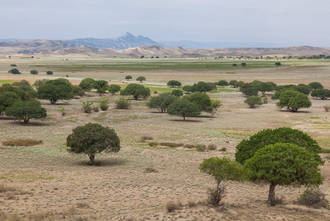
(205, 116)
(102, 163)
(32, 124)
(7, 118)
(297, 112)
(187, 120)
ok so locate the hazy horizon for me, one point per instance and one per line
(298, 22)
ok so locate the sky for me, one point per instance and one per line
(282, 22)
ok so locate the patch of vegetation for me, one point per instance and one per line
(313, 197)
(21, 142)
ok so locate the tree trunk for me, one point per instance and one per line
(91, 158)
(271, 194)
(184, 117)
(52, 101)
(26, 119)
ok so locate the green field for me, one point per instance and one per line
(140, 65)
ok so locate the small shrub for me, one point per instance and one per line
(14, 71)
(96, 109)
(216, 195)
(252, 101)
(49, 72)
(104, 104)
(201, 147)
(87, 106)
(313, 198)
(224, 149)
(168, 144)
(211, 147)
(150, 170)
(34, 72)
(153, 144)
(145, 138)
(326, 108)
(172, 206)
(21, 142)
(189, 146)
(122, 103)
(141, 78)
(62, 111)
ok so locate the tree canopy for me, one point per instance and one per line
(162, 101)
(136, 90)
(283, 164)
(173, 83)
(183, 107)
(54, 90)
(26, 110)
(293, 100)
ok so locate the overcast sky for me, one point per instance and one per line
(286, 22)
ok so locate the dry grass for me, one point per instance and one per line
(21, 142)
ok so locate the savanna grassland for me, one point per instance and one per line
(45, 182)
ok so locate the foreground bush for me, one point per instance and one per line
(222, 170)
(91, 139)
(21, 142)
(283, 164)
(313, 197)
(26, 110)
(247, 148)
(183, 108)
(162, 101)
(293, 100)
(252, 101)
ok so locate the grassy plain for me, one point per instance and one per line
(52, 184)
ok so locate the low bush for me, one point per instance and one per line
(145, 138)
(122, 103)
(313, 198)
(150, 170)
(211, 147)
(96, 109)
(87, 106)
(326, 108)
(172, 206)
(201, 147)
(104, 104)
(21, 142)
(168, 144)
(153, 144)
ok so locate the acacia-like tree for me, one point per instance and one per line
(183, 107)
(293, 100)
(222, 170)
(283, 164)
(141, 78)
(26, 110)
(91, 139)
(54, 90)
(202, 100)
(114, 88)
(322, 94)
(136, 90)
(252, 101)
(203, 87)
(128, 77)
(162, 101)
(177, 93)
(315, 85)
(223, 83)
(247, 148)
(174, 83)
(87, 84)
(7, 98)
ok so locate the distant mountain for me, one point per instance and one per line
(126, 41)
(195, 44)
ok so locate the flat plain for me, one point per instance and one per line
(48, 183)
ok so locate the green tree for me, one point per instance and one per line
(183, 107)
(104, 103)
(252, 101)
(34, 72)
(7, 99)
(187, 88)
(54, 90)
(91, 139)
(114, 88)
(141, 78)
(77, 91)
(202, 101)
(233, 83)
(293, 100)
(222, 170)
(203, 87)
(223, 83)
(101, 86)
(315, 85)
(283, 164)
(136, 90)
(322, 94)
(26, 110)
(303, 88)
(249, 89)
(39, 83)
(247, 148)
(87, 84)
(128, 77)
(174, 83)
(162, 101)
(14, 71)
(177, 93)
(49, 72)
